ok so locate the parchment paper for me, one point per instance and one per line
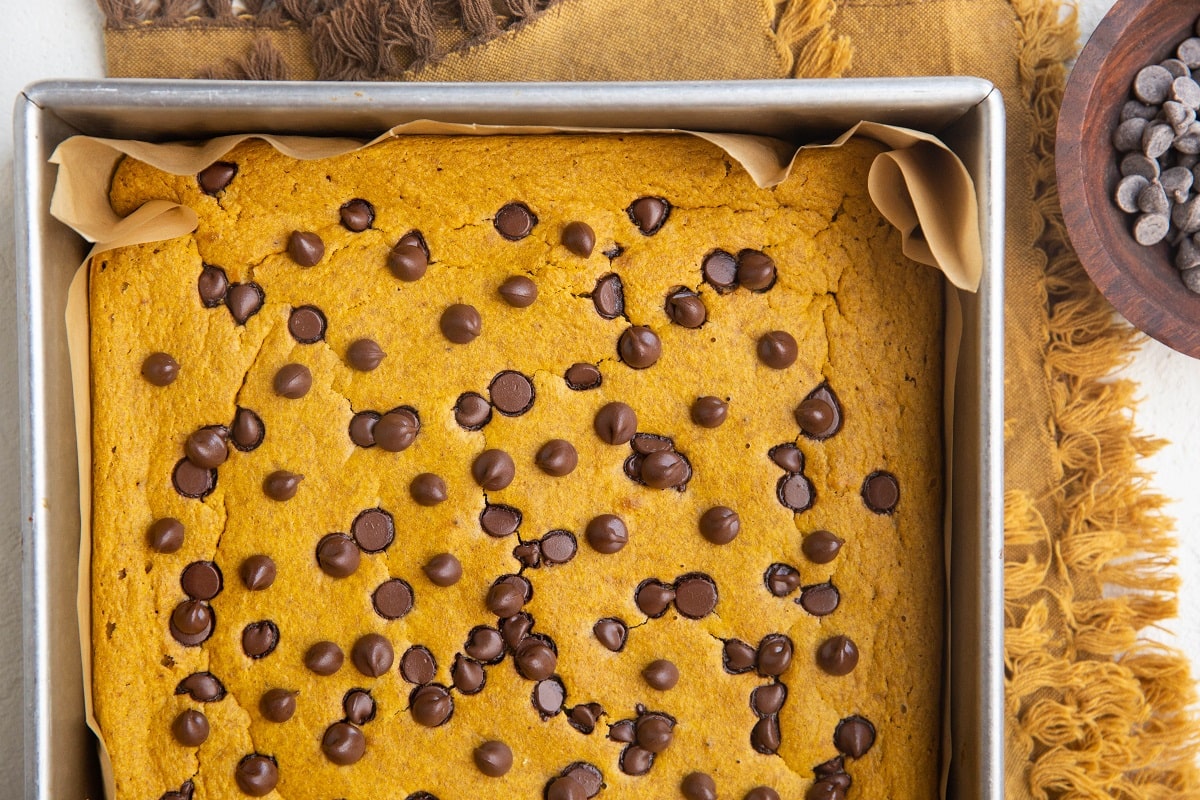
(919, 185)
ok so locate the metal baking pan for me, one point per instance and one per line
(60, 760)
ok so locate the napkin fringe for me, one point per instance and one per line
(806, 28)
(263, 62)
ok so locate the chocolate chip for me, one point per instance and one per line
(407, 262)
(661, 674)
(472, 411)
(720, 271)
(260, 638)
(639, 347)
(765, 736)
(654, 732)
(821, 546)
(281, 485)
(615, 423)
(762, 793)
(324, 658)
(881, 492)
(307, 324)
(607, 533)
(516, 628)
(244, 300)
(418, 665)
(257, 775)
(485, 644)
(190, 728)
(192, 622)
(579, 238)
(609, 296)
(362, 428)
(338, 555)
(837, 655)
(755, 270)
(512, 393)
(216, 176)
(623, 731)
(504, 599)
(468, 675)
(819, 415)
(396, 430)
(709, 411)
(586, 775)
(192, 481)
(720, 525)
(364, 355)
(777, 349)
(357, 215)
(359, 706)
(635, 760)
(443, 570)
(247, 431)
(820, 599)
(695, 595)
(781, 579)
(548, 697)
(493, 470)
(212, 286)
(647, 443)
(738, 657)
(514, 221)
(787, 457)
(653, 597)
(372, 655)
(165, 535)
(558, 547)
(611, 632)
(160, 369)
(201, 580)
(519, 291)
(795, 492)
(584, 718)
(343, 744)
(665, 469)
(833, 767)
(431, 705)
(461, 323)
(649, 214)
(557, 458)
(854, 736)
(581, 377)
(277, 705)
(500, 520)
(203, 687)
(535, 660)
(698, 786)
(493, 758)
(373, 530)
(563, 788)
(186, 790)
(393, 598)
(685, 308)
(774, 654)
(292, 381)
(825, 790)
(207, 448)
(767, 700)
(305, 248)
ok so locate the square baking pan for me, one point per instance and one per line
(967, 113)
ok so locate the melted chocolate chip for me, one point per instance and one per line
(661, 674)
(493, 470)
(881, 492)
(460, 323)
(765, 736)
(557, 458)
(774, 654)
(584, 718)
(586, 775)
(415, 238)
(343, 744)
(408, 262)
(362, 428)
(611, 632)
(738, 657)
(709, 411)
(755, 270)
(635, 760)
(431, 705)
(720, 271)
(535, 660)
(685, 308)
(338, 555)
(720, 525)
(837, 655)
(493, 758)
(795, 492)
(666, 469)
(767, 700)
(359, 706)
(639, 347)
(192, 481)
(512, 393)
(212, 286)
(623, 731)
(615, 423)
(372, 655)
(428, 489)
(548, 697)
(397, 430)
(649, 214)
(281, 485)
(277, 705)
(443, 570)
(468, 675)
(247, 431)
(364, 355)
(324, 658)
(762, 793)
(373, 530)
(781, 579)
(514, 221)
(357, 215)
(216, 176)
(609, 296)
(698, 786)
(519, 291)
(653, 597)
(827, 790)
(819, 415)
(260, 638)
(854, 736)
(654, 732)
(558, 547)
(821, 547)
(165, 535)
(472, 411)
(201, 580)
(504, 599)
(393, 598)
(500, 520)
(563, 788)
(820, 599)
(292, 381)
(257, 775)
(581, 377)
(485, 644)
(160, 369)
(579, 238)
(777, 349)
(607, 533)
(203, 687)
(207, 448)
(516, 629)
(244, 300)
(695, 595)
(307, 324)
(305, 248)
(418, 665)
(192, 622)
(787, 457)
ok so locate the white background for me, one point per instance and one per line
(62, 39)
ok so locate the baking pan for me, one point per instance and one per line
(60, 759)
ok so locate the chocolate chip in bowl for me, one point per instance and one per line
(1142, 282)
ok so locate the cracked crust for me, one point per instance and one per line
(867, 322)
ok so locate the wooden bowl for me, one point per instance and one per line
(1140, 282)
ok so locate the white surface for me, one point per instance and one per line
(62, 39)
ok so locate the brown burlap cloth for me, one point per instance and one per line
(1093, 709)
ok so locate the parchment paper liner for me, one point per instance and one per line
(920, 186)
